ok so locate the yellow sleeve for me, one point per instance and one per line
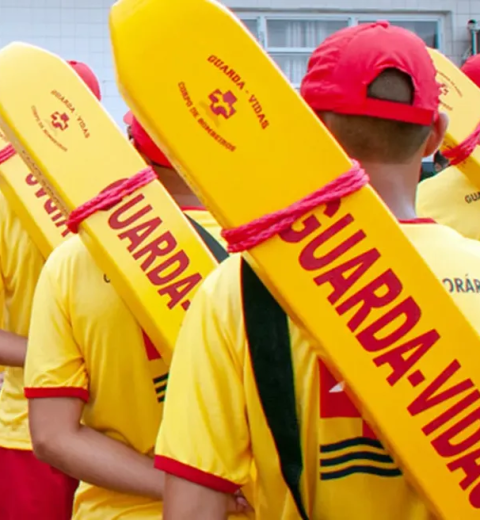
(204, 436)
(54, 365)
(3, 304)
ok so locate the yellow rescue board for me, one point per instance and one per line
(145, 245)
(460, 98)
(243, 137)
(42, 220)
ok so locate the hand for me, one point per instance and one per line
(238, 504)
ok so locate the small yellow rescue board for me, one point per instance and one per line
(145, 245)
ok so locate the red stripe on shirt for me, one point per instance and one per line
(59, 391)
(185, 472)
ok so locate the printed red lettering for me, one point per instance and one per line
(469, 465)
(30, 180)
(293, 236)
(331, 209)
(138, 234)
(56, 216)
(310, 225)
(408, 312)
(50, 206)
(387, 284)
(429, 398)
(40, 193)
(161, 246)
(357, 267)
(114, 221)
(310, 262)
(180, 289)
(452, 412)
(445, 444)
(172, 268)
(399, 364)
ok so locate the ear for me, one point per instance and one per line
(437, 135)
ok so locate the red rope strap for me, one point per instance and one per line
(462, 151)
(6, 153)
(110, 197)
(254, 233)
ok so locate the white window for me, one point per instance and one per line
(290, 40)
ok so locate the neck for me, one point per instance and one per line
(396, 185)
(177, 188)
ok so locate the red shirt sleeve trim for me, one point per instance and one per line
(39, 393)
(192, 208)
(418, 220)
(173, 467)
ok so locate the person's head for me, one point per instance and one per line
(471, 68)
(164, 169)
(374, 87)
(145, 145)
(88, 77)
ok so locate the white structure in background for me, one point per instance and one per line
(288, 29)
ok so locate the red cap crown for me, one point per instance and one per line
(346, 63)
(144, 144)
(88, 76)
(471, 68)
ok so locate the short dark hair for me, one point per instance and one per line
(372, 139)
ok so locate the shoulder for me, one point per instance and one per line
(448, 189)
(221, 290)
(225, 281)
(19, 252)
(217, 307)
(451, 199)
(447, 252)
(70, 256)
(441, 182)
(7, 214)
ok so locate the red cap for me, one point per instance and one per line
(144, 144)
(88, 76)
(347, 62)
(471, 68)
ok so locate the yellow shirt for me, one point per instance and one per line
(20, 267)
(84, 342)
(451, 199)
(212, 393)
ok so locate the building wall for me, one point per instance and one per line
(74, 29)
(77, 29)
(454, 14)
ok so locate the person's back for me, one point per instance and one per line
(87, 349)
(20, 268)
(450, 198)
(106, 360)
(374, 88)
(348, 473)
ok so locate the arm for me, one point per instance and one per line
(56, 384)
(60, 440)
(13, 349)
(205, 395)
(203, 503)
